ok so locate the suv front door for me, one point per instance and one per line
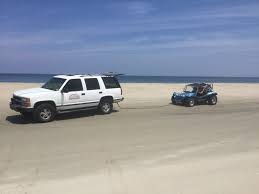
(73, 95)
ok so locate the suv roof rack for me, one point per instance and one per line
(114, 74)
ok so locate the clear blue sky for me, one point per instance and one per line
(162, 37)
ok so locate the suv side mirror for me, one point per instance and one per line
(64, 90)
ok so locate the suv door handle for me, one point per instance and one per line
(83, 94)
(100, 92)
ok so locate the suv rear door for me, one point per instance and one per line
(93, 92)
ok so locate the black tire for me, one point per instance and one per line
(190, 102)
(44, 113)
(106, 106)
(26, 115)
(173, 101)
(213, 100)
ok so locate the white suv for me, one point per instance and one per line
(67, 93)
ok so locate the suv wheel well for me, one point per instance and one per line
(47, 102)
(110, 98)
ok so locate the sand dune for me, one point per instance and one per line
(146, 146)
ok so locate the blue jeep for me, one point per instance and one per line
(196, 93)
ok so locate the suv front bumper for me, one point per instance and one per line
(19, 108)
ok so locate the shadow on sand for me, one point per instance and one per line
(19, 119)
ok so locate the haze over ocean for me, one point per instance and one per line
(40, 78)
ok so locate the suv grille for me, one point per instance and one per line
(16, 100)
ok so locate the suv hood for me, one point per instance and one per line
(28, 92)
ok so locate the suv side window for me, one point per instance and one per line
(92, 84)
(73, 85)
(111, 82)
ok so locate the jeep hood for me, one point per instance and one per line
(28, 92)
(183, 94)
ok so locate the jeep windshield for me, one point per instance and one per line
(190, 89)
(54, 84)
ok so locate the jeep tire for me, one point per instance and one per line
(190, 102)
(106, 106)
(213, 100)
(173, 100)
(44, 113)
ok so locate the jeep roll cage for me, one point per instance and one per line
(197, 86)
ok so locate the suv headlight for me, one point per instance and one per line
(26, 102)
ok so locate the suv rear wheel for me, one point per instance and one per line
(44, 113)
(106, 106)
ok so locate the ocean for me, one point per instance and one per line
(41, 78)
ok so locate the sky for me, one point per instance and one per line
(135, 37)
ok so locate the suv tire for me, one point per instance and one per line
(190, 102)
(44, 113)
(106, 106)
(213, 100)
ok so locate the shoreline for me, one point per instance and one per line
(40, 78)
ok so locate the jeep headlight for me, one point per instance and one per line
(26, 102)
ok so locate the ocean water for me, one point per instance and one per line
(41, 78)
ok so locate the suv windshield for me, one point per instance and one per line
(54, 84)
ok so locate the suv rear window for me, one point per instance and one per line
(92, 84)
(111, 82)
(73, 85)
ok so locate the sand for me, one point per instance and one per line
(145, 146)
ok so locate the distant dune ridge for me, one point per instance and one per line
(147, 145)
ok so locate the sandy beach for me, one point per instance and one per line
(146, 146)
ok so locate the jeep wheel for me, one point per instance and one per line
(213, 100)
(106, 106)
(173, 101)
(190, 102)
(44, 113)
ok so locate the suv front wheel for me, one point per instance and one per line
(106, 106)
(44, 113)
